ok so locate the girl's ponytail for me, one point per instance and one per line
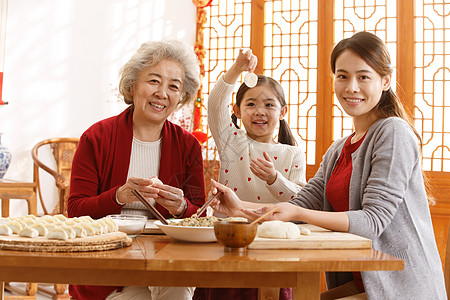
(285, 135)
(234, 120)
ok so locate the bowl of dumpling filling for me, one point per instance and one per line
(192, 229)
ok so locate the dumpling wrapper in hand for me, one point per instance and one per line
(155, 180)
(278, 230)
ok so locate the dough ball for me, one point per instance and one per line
(278, 230)
(155, 180)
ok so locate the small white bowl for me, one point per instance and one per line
(132, 225)
(188, 233)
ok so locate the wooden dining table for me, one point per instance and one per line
(158, 260)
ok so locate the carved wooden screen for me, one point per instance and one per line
(293, 41)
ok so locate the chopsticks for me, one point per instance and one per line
(150, 207)
(208, 202)
(266, 214)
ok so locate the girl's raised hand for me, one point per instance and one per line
(264, 168)
(245, 62)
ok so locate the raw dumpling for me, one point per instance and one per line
(71, 234)
(98, 227)
(5, 230)
(90, 231)
(69, 222)
(278, 230)
(304, 230)
(60, 217)
(87, 219)
(57, 234)
(41, 228)
(112, 226)
(79, 231)
(29, 232)
(15, 226)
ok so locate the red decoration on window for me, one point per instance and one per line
(200, 136)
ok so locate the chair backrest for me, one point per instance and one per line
(63, 150)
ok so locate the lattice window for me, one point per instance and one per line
(432, 82)
(290, 43)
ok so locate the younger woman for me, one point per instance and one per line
(369, 183)
(256, 167)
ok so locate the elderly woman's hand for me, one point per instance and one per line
(142, 185)
(171, 198)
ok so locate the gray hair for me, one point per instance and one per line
(152, 53)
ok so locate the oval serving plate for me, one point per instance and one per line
(188, 233)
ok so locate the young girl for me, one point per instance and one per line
(256, 167)
(370, 183)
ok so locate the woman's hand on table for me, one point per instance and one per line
(143, 185)
(286, 212)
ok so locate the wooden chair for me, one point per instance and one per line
(63, 151)
(447, 265)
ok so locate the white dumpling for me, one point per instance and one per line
(98, 227)
(28, 221)
(70, 232)
(87, 219)
(112, 226)
(69, 222)
(60, 217)
(304, 230)
(15, 226)
(79, 231)
(90, 231)
(41, 228)
(278, 230)
(29, 232)
(5, 230)
(32, 217)
(49, 226)
(19, 220)
(57, 234)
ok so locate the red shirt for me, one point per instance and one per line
(100, 166)
(337, 189)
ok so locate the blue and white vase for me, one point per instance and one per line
(5, 158)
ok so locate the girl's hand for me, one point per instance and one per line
(142, 185)
(246, 61)
(171, 198)
(228, 202)
(286, 212)
(264, 168)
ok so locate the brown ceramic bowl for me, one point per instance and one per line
(235, 236)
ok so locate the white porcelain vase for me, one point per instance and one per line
(5, 159)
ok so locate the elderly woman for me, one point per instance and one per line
(123, 153)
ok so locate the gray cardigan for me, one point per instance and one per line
(388, 205)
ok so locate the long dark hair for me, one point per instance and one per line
(375, 53)
(285, 135)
